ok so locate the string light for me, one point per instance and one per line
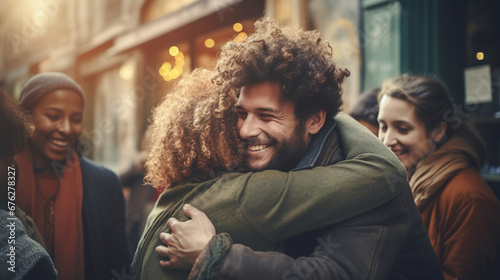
(240, 37)
(209, 43)
(173, 51)
(237, 27)
(480, 56)
(166, 70)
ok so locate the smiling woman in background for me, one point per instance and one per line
(443, 158)
(77, 205)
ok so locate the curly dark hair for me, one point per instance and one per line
(366, 109)
(300, 61)
(15, 127)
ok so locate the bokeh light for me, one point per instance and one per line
(209, 43)
(237, 27)
(127, 72)
(169, 72)
(480, 56)
(240, 37)
(173, 51)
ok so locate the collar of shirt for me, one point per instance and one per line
(316, 146)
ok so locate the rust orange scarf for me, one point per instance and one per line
(434, 171)
(68, 229)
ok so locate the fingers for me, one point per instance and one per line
(173, 261)
(162, 251)
(191, 211)
(172, 222)
(164, 237)
(166, 264)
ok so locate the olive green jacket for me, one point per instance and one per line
(263, 209)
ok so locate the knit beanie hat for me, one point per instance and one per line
(43, 83)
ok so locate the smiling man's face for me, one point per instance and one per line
(274, 137)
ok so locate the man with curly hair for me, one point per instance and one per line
(195, 142)
(289, 97)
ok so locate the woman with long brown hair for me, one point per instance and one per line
(443, 157)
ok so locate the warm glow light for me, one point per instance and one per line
(480, 56)
(179, 62)
(240, 37)
(173, 74)
(237, 27)
(178, 68)
(127, 72)
(165, 67)
(173, 51)
(209, 43)
(172, 71)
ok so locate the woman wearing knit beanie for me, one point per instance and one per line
(77, 205)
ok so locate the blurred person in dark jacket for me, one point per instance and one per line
(139, 197)
(22, 251)
(365, 111)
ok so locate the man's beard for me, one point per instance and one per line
(288, 153)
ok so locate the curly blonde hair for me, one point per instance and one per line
(300, 61)
(193, 130)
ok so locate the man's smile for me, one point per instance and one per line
(255, 148)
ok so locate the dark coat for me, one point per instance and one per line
(364, 200)
(103, 216)
(387, 242)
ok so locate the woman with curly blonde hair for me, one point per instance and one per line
(192, 130)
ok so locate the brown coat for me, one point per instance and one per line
(463, 223)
